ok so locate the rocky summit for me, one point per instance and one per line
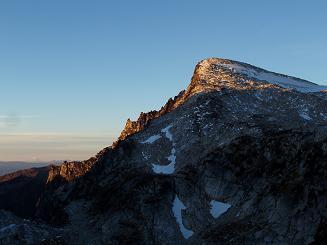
(239, 157)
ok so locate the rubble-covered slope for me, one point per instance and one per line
(234, 159)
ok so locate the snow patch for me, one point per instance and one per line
(170, 168)
(163, 169)
(304, 114)
(151, 139)
(8, 228)
(146, 155)
(274, 78)
(218, 208)
(178, 206)
(166, 169)
(172, 157)
(167, 132)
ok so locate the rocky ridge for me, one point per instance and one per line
(215, 74)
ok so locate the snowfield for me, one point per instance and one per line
(218, 208)
(170, 168)
(178, 206)
(274, 78)
(151, 139)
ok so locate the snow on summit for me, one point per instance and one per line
(221, 67)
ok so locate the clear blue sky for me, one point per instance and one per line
(84, 67)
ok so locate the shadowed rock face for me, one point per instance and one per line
(21, 190)
(233, 159)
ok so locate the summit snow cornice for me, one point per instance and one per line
(216, 74)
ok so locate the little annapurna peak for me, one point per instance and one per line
(239, 157)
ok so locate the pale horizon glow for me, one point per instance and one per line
(51, 146)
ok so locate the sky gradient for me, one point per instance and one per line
(72, 72)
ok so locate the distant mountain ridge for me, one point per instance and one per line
(239, 157)
(12, 166)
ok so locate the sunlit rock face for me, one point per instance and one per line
(239, 157)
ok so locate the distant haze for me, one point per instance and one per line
(36, 147)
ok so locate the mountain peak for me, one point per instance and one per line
(218, 73)
(220, 163)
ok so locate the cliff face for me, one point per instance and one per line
(239, 157)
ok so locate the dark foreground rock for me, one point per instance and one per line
(20, 191)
